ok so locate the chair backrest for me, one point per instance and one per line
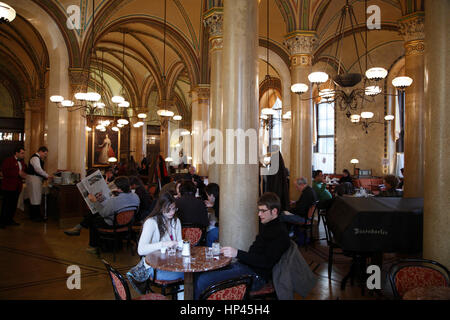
(120, 286)
(328, 233)
(124, 219)
(192, 233)
(409, 274)
(312, 210)
(232, 289)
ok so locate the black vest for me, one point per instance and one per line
(30, 168)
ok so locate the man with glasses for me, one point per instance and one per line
(263, 255)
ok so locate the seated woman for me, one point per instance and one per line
(390, 182)
(212, 192)
(346, 178)
(162, 229)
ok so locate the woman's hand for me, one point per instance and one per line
(169, 244)
(229, 252)
(208, 204)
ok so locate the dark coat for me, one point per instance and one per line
(292, 274)
(305, 201)
(10, 170)
(278, 183)
(192, 210)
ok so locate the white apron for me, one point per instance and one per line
(34, 189)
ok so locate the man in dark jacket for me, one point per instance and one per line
(263, 254)
(191, 210)
(305, 201)
(13, 169)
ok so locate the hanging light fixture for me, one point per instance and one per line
(7, 13)
(346, 99)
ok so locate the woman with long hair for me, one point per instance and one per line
(212, 203)
(162, 229)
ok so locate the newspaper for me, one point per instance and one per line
(95, 185)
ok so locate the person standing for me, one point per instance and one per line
(13, 169)
(35, 176)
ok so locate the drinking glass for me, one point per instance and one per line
(216, 248)
(171, 251)
(209, 253)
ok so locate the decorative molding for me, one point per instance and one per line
(412, 28)
(301, 43)
(214, 23)
(215, 43)
(303, 60)
(78, 78)
(415, 47)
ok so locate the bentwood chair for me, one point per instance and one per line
(193, 233)
(121, 289)
(267, 292)
(122, 228)
(232, 289)
(409, 274)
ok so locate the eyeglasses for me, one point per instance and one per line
(262, 210)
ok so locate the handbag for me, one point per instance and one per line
(138, 276)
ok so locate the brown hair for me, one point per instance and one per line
(391, 180)
(271, 201)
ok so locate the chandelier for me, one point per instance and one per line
(364, 120)
(7, 13)
(339, 91)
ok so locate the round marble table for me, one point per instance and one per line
(431, 293)
(197, 262)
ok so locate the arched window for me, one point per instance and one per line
(323, 156)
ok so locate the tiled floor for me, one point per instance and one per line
(34, 258)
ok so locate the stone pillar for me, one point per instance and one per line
(77, 125)
(239, 182)
(436, 245)
(200, 114)
(34, 125)
(301, 45)
(164, 136)
(214, 21)
(412, 30)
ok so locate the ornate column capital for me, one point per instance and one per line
(203, 93)
(78, 78)
(213, 21)
(412, 29)
(301, 46)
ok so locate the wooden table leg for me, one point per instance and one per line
(188, 286)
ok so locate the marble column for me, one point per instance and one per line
(214, 22)
(200, 115)
(436, 245)
(239, 182)
(412, 30)
(301, 45)
(77, 125)
(34, 125)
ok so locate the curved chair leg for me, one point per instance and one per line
(330, 262)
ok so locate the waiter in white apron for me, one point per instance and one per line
(36, 175)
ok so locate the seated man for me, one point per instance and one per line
(263, 255)
(390, 182)
(124, 200)
(305, 201)
(191, 209)
(320, 188)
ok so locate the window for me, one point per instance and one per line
(276, 131)
(323, 156)
(401, 117)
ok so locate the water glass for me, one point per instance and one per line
(209, 253)
(163, 250)
(216, 248)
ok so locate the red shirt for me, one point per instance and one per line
(12, 181)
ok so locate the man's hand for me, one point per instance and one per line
(92, 198)
(22, 174)
(229, 252)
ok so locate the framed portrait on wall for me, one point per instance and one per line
(104, 146)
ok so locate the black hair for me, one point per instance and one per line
(123, 184)
(165, 200)
(43, 149)
(136, 180)
(17, 149)
(213, 189)
(316, 173)
(187, 187)
(346, 171)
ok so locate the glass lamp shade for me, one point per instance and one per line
(287, 115)
(299, 88)
(124, 104)
(142, 115)
(100, 127)
(169, 159)
(326, 94)
(7, 13)
(80, 96)
(67, 103)
(88, 129)
(373, 90)
(117, 99)
(119, 125)
(402, 82)
(355, 118)
(177, 117)
(99, 105)
(140, 123)
(136, 125)
(93, 96)
(112, 159)
(185, 133)
(354, 161)
(164, 113)
(115, 129)
(268, 112)
(367, 115)
(389, 117)
(318, 77)
(56, 99)
(122, 121)
(376, 73)
(264, 117)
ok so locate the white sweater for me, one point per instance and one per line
(150, 238)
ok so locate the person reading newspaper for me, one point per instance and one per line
(123, 200)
